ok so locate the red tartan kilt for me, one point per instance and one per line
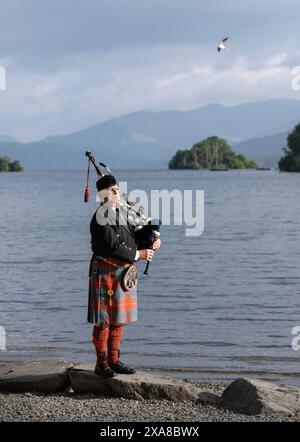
(121, 307)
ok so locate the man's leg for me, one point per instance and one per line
(113, 345)
(100, 338)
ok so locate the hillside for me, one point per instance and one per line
(265, 150)
(149, 139)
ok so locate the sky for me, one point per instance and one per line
(70, 64)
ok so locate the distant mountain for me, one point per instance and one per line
(7, 138)
(266, 151)
(149, 139)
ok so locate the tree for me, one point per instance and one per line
(4, 164)
(291, 161)
(15, 166)
(210, 153)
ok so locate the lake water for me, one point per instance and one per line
(218, 306)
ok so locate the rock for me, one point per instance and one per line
(254, 396)
(40, 376)
(209, 398)
(137, 386)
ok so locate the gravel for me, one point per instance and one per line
(68, 407)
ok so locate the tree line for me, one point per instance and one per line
(290, 162)
(7, 165)
(213, 152)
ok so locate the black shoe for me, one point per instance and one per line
(104, 370)
(119, 367)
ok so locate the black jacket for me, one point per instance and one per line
(113, 241)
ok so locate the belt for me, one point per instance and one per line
(124, 265)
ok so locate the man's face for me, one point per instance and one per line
(111, 195)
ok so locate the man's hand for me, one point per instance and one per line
(146, 254)
(157, 243)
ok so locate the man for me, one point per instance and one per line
(114, 249)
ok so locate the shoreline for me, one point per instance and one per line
(73, 407)
(190, 374)
(58, 391)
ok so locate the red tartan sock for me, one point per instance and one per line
(114, 342)
(100, 337)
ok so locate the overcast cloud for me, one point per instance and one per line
(71, 64)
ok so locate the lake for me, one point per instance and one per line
(217, 306)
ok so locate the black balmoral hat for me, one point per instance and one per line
(105, 182)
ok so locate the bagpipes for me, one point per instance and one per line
(146, 230)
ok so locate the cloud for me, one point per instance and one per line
(73, 64)
(66, 27)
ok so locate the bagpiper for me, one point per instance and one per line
(112, 299)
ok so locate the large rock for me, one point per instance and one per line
(254, 396)
(137, 386)
(41, 376)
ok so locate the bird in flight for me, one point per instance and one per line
(221, 46)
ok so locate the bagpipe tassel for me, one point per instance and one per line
(87, 190)
(87, 195)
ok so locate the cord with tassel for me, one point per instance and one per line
(87, 190)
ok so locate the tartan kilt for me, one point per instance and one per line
(103, 276)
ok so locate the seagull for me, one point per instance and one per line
(221, 45)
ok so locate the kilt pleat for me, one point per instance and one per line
(102, 277)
